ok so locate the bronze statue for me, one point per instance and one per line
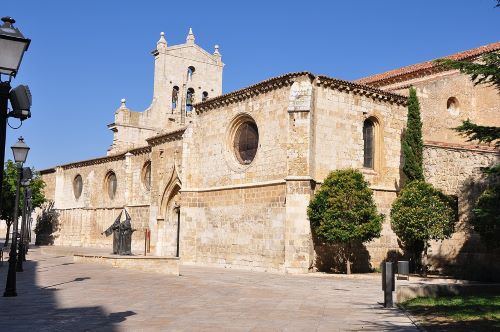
(115, 229)
(126, 235)
(122, 234)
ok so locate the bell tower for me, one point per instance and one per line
(184, 74)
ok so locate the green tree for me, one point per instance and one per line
(486, 217)
(9, 194)
(422, 213)
(412, 143)
(343, 212)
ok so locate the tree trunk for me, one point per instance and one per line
(7, 235)
(348, 258)
(424, 260)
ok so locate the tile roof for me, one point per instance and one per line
(400, 73)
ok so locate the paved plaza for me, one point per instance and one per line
(55, 294)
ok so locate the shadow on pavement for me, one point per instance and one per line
(36, 308)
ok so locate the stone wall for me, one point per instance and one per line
(456, 170)
(477, 103)
(338, 136)
(235, 227)
(338, 144)
(233, 214)
(49, 177)
(84, 218)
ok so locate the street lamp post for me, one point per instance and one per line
(12, 47)
(20, 151)
(21, 254)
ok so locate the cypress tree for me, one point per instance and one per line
(412, 143)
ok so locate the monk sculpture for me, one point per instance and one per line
(115, 229)
(126, 235)
(122, 234)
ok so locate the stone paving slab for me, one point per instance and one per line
(56, 294)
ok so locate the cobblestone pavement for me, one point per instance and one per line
(55, 294)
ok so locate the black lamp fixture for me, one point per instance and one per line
(12, 47)
(20, 151)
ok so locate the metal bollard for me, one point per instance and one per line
(404, 270)
(388, 283)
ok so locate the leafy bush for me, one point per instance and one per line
(422, 213)
(343, 212)
(486, 217)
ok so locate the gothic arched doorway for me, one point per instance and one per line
(168, 242)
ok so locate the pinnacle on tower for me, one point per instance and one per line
(162, 39)
(190, 37)
(123, 103)
(216, 52)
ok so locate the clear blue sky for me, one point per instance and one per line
(86, 55)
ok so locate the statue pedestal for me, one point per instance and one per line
(164, 265)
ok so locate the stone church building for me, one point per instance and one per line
(225, 179)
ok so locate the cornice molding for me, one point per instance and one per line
(361, 89)
(462, 147)
(174, 135)
(287, 80)
(248, 92)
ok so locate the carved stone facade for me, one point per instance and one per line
(228, 182)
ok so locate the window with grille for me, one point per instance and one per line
(246, 142)
(369, 146)
(77, 186)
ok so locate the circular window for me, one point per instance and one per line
(77, 186)
(146, 175)
(111, 184)
(452, 106)
(246, 141)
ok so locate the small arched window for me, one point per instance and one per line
(146, 175)
(77, 186)
(189, 99)
(190, 73)
(368, 143)
(175, 97)
(452, 106)
(110, 184)
(204, 96)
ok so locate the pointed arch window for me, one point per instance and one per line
(369, 143)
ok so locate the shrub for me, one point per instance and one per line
(343, 212)
(422, 213)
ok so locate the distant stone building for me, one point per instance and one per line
(226, 179)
